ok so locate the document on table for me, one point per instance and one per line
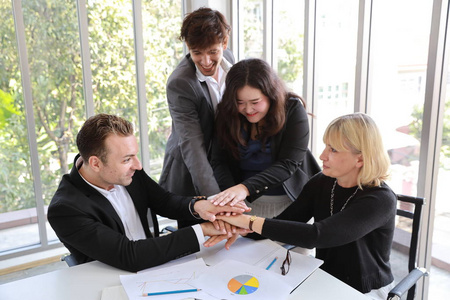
(261, 253)
(170, 279)
(225, 274)
(231, 279)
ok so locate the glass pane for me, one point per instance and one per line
(398, 83)
(253, 28)
(111, 41)
(399, 53)
(336, 37)
(56, 82)
(57, 102)
(288, 30)
(439, 288)
(16, 181)
(163, 51)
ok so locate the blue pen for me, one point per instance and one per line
(273, 261)
(171, 292)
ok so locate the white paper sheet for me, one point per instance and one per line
(301, 266)
(173, 278)
(261, 253)
(174, 262)
(232, 279)
(246, 257)
(243, 249)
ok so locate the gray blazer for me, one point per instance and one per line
(186, 169)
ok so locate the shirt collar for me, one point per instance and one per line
(225, 66)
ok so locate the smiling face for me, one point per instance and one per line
(253, 104)
(342, 165)
(121, 162)
(208, 60)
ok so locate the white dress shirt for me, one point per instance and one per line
(121, 200)
(216, 88)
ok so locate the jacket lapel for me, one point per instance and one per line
(202, 84)
(96, 198)
(140, 206)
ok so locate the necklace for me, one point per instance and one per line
(332, 198)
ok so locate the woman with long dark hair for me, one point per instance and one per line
(260, 150)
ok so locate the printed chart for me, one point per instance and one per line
(243, 284)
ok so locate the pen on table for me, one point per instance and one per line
(273, 261)
(171, 292)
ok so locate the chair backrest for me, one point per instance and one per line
(415, 215)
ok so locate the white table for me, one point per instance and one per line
(86, 282)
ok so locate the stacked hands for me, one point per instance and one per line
(225, 213)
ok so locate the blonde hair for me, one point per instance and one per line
(359, 134)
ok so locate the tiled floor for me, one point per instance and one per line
(439, 286)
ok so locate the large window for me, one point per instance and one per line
(335, 61)
(252, 22)
(399, 45)
(55, 102)
(54, 72)
(441, 224)
(288, 35)
(163, 51)
(16, 179)
(46, 121)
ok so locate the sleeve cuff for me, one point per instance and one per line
(199, 233)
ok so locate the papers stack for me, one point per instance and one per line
(224, 274)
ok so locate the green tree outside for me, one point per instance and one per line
(52, 38)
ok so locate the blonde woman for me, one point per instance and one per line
(353, 209)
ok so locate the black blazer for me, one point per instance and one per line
(87, 224)
(186, 169)
(293, 164)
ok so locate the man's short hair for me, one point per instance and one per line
(92, 135)
(203, 28)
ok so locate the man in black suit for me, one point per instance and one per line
(193, 91)
(100, 209)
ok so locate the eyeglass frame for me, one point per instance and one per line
(287, 260)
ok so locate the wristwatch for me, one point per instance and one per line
(250, 224)
(192, 203)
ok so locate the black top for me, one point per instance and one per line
(293, 163)
(354, 243)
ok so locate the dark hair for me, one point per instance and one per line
(92, 135)
(257, 74)
(203, 28)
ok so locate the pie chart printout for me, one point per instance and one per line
(243, 284)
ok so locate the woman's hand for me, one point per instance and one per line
(208, 211)
(232, 196)
(243, 221)
(240, 221)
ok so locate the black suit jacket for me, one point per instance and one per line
(87, 224)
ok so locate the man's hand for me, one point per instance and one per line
(218, 238)
(225, 231)
(208, 211)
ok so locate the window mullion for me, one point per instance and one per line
(28, 99)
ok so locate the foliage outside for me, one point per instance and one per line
(54, 61)
(416, 130)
